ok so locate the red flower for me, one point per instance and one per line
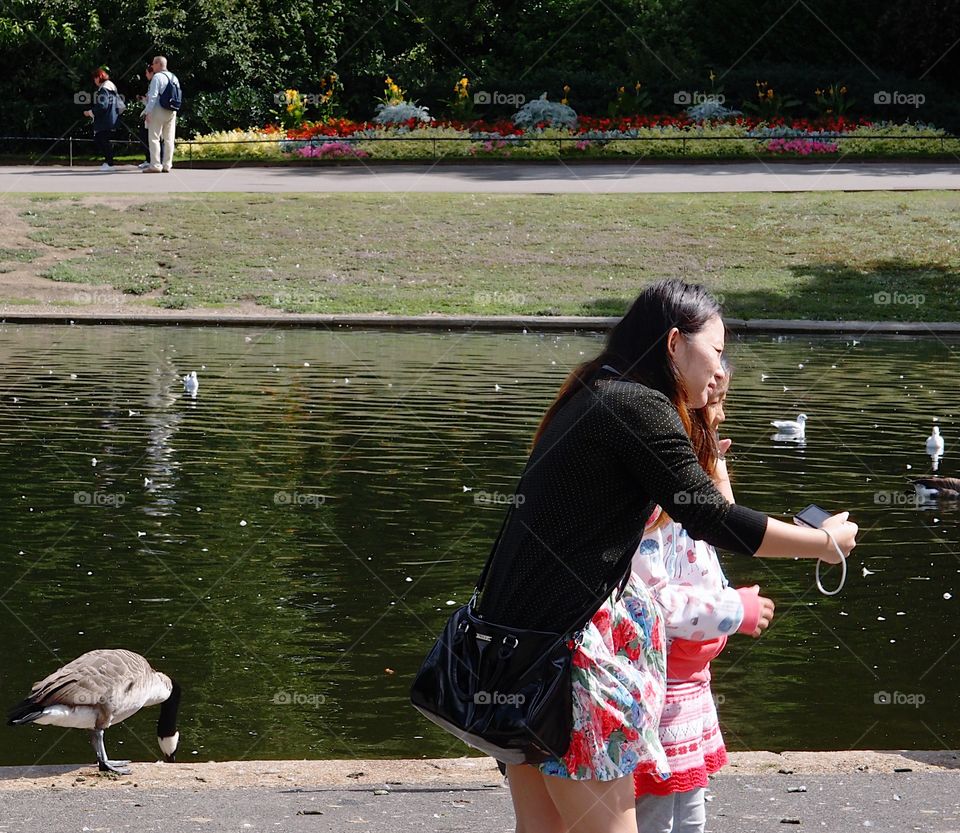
(626, 639)
(601, 619)
(578, 753)
(580, 660)
(656, 636)
(608, 720)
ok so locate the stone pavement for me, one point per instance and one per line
(879, 792)
(555, 178)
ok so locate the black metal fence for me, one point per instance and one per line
(71, 145)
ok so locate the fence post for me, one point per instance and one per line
(71, 151)
(434, 140)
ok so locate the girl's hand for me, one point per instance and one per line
(88, 114)
(724, 446)
(766, 616)
(845, 534)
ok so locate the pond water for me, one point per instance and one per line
(288, 544)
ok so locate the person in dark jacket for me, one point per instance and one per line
(105, 112)
(626, 434)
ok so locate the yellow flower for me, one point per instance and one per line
(566, 88)
(637, 86)
(712, 76)
(770, 93)
(563, 100)
(621, 90)
(843, 91)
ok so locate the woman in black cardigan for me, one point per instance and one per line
(623, 435)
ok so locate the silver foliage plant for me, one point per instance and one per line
(399, 113)
(540, 111)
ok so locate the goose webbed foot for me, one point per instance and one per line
(106, 765)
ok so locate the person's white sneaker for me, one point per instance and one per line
(106, 167)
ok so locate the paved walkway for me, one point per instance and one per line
(881, 792)
(505, 179)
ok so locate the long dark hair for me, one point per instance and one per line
(637, 348)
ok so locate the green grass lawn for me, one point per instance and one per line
(810, 255)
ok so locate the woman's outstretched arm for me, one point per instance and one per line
(783, 540)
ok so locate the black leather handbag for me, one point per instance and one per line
(505, 691)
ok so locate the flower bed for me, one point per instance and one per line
(639, 136)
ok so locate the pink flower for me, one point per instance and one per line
(801, 147)
(332, 150)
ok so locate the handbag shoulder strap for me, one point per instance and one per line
(482, 580)
(618, 582)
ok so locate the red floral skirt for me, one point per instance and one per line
(619, 681)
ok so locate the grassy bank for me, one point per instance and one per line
(878, 256)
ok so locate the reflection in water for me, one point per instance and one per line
(162, 420)
(288, 543)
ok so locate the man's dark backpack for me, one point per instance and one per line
(171, 97)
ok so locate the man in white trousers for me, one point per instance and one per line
(161, 122)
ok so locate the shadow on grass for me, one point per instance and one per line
(888, 290)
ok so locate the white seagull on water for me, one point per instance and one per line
(790, 427)
(935, 442)
(191, 384)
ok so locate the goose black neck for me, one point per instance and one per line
(167, 724)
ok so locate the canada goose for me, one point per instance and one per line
(97, 690)
(790, 427)
(935, 442)
(937, 488)
(191, 384)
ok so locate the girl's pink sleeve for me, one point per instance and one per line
(750, 598)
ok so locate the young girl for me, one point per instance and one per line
(699, 611)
